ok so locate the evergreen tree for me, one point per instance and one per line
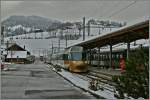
(135, 81)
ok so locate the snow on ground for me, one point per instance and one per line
(35, 46)
(107, 92)
(85, 84)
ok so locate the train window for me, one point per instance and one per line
(106, 56)
(113, 56)
(76, 56)
(94, 56)
(97, 56)
(84, 56)
(65, 56)
(120, 56)
(117, 56)
(102, 57)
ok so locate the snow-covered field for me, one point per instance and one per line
(36, 46)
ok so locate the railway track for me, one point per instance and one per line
(104, 80)
(82, 76)
(102, 77)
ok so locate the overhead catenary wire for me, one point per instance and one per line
(111, 8)
(122, 9)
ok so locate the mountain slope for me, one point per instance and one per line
(29, 21)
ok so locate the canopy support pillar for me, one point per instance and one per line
(128, 49)
(98, 56)
(110, 56)
(90, 56)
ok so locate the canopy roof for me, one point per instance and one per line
(126, 34)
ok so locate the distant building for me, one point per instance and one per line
(16, 54)
(38, 30)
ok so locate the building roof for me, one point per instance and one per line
(17, 54)
(15, 47)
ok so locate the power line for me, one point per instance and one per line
(109, 10)
(115, 13)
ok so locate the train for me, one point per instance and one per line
(102, 59)
(75, 59)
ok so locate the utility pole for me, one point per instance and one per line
(66, 42)
(7, 46)
(58, 44)
(66, 37)
(35, 35)
(99, 31)
(39, 52)
(25, 35)
(83, 28)
(41, 35)
(52, 47)
(88, 28)
(11, 55)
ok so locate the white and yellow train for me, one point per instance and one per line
(73, 59)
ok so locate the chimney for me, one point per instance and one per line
(24, 47)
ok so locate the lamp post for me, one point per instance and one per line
(83, 28)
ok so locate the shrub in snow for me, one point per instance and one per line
(135, 81)
(93, 85)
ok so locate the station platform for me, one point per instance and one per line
(37, 81)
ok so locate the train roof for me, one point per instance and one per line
(129, 33)
(74, 49)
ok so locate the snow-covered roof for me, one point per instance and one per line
(122, 46)
(17, 54)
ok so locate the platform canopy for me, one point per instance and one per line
(130, 33)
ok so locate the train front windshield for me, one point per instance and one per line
(76, 53)
(76, 56)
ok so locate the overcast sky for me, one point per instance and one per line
(75, 10)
